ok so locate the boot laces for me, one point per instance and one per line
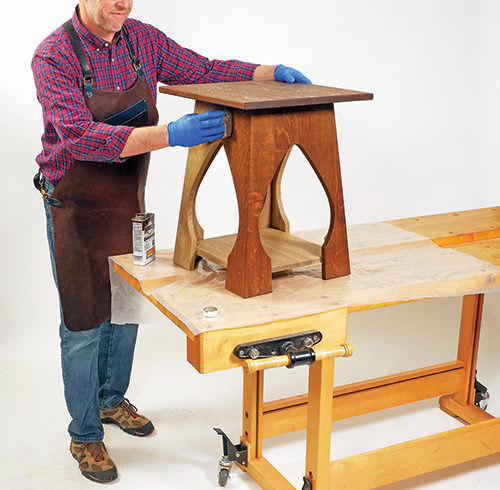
(96, 450)
(129, 408)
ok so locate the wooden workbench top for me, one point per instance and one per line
(449, 229)
(389, 263)
(475, 232)
(264, 94)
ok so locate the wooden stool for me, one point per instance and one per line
(268, 118)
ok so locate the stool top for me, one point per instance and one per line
(264, 94)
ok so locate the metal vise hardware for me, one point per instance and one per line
(278, 346)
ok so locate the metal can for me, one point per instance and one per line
(143, 236)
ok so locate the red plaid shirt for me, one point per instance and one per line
(69, 131)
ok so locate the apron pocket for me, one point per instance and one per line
(135, 115)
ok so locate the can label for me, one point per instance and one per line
(143, 236)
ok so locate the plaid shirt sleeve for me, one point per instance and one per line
(177, 65)
(64, 109)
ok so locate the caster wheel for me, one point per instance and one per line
(223, 476)
(482, 396)
(483, 402)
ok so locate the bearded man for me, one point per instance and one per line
(96, 81)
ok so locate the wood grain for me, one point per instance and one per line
(286, 251)
(253, 395)
(470, 414)
(214, 350)
(189, 231)
(319, 423)
(253, 165)
(488, 250)
(257, 152)
(137, 285)
(273, 213)
(267, 476)
(299, 294)
(321, 150)
(468, 345)
(253, 95)
(449, 229)
(261, 141)
(290, 414)
(401, 461)
(253, 365)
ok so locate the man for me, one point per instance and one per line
(96, 80)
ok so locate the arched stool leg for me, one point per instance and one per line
(253, 164)
(189, 231)
(321, 149)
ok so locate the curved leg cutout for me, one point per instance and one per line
(248, 265)
(189, 230)
(324, 159)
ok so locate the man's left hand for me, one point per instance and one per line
(289, 75)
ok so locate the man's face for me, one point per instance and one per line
(108, 15)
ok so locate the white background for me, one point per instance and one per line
(427, 143)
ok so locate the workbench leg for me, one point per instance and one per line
(461, 403)
(253, 397)
(319, 423)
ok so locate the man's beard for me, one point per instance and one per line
(105, 23)
(110, 26)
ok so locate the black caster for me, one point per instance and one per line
(231, 453)
(307, 484)
(225, 466)
(482, 395)
(223, 476)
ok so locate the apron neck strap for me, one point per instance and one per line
(133, 57)
(88, 84)
(77, 46)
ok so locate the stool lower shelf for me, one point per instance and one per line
(285, 251)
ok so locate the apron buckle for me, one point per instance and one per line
(88, 83)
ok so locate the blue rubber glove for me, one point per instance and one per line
(194, 129)
(283, 73)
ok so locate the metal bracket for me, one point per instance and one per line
(307, 484)
(279, 346)
(232, 453)
(482, 396)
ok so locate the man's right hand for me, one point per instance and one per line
(194, 129)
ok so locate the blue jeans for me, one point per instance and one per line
(96, 364)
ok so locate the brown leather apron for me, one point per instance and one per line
(98, 201)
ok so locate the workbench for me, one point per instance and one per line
(452, 254)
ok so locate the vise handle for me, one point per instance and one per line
(251, 366)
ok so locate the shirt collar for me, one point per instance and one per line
(84, 33)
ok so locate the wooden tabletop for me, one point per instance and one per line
(390, 262)
(264, 94)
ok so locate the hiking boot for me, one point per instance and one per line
(126, 417)
(94, 462)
